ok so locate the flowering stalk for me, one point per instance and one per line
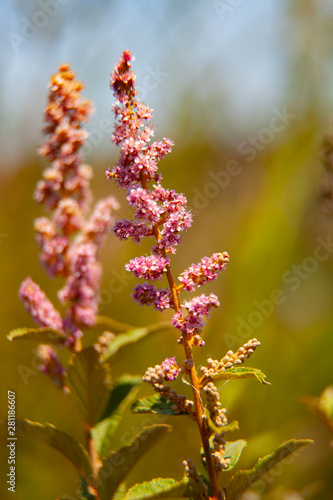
(70, 238)
(161, 213)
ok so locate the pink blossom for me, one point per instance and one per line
(206, 270)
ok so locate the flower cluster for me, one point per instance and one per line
(39, 306)
(167, 371)
(149, 268)
(206, 270)
(147, 294)
(220, 461)
(213, 405)
(71, 237)
(191, 472)
(192, 324)
(158, 212)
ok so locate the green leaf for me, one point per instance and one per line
(89, 381)
(161, 487)
(239, 372)
(59, 440)
(114, 324)
(120, 462)
(120, 493)
(132, 336)
(124, 391)
(231, 427)
(155, 404)
(233, 450)
(322, 406)
(84, 491)
(40, 335)
(243, 479)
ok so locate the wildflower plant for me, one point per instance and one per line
(161, 214)
(70, 239)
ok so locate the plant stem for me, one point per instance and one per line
(95, 460)
(200, 416)
(201, 421)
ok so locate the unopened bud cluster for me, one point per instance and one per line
(220, 462)
(167, 371)
(191, 472)
(103, 341)
(230, 359)
(213, 405)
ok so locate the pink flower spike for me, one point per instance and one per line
(39, 306)
(206, 270)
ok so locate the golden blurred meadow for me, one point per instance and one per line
(255, 192)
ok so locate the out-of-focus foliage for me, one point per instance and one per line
(266, 212)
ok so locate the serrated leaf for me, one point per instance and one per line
(243, 479)
(239, 372)
(233, 451)
(120, 462)
(39, 335)
(120, 493)
(123, 392)
(132, 336)
(161, 487)
(89, 380)
(59, 440)
(155, 404)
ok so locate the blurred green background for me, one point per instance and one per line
(244, 88)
